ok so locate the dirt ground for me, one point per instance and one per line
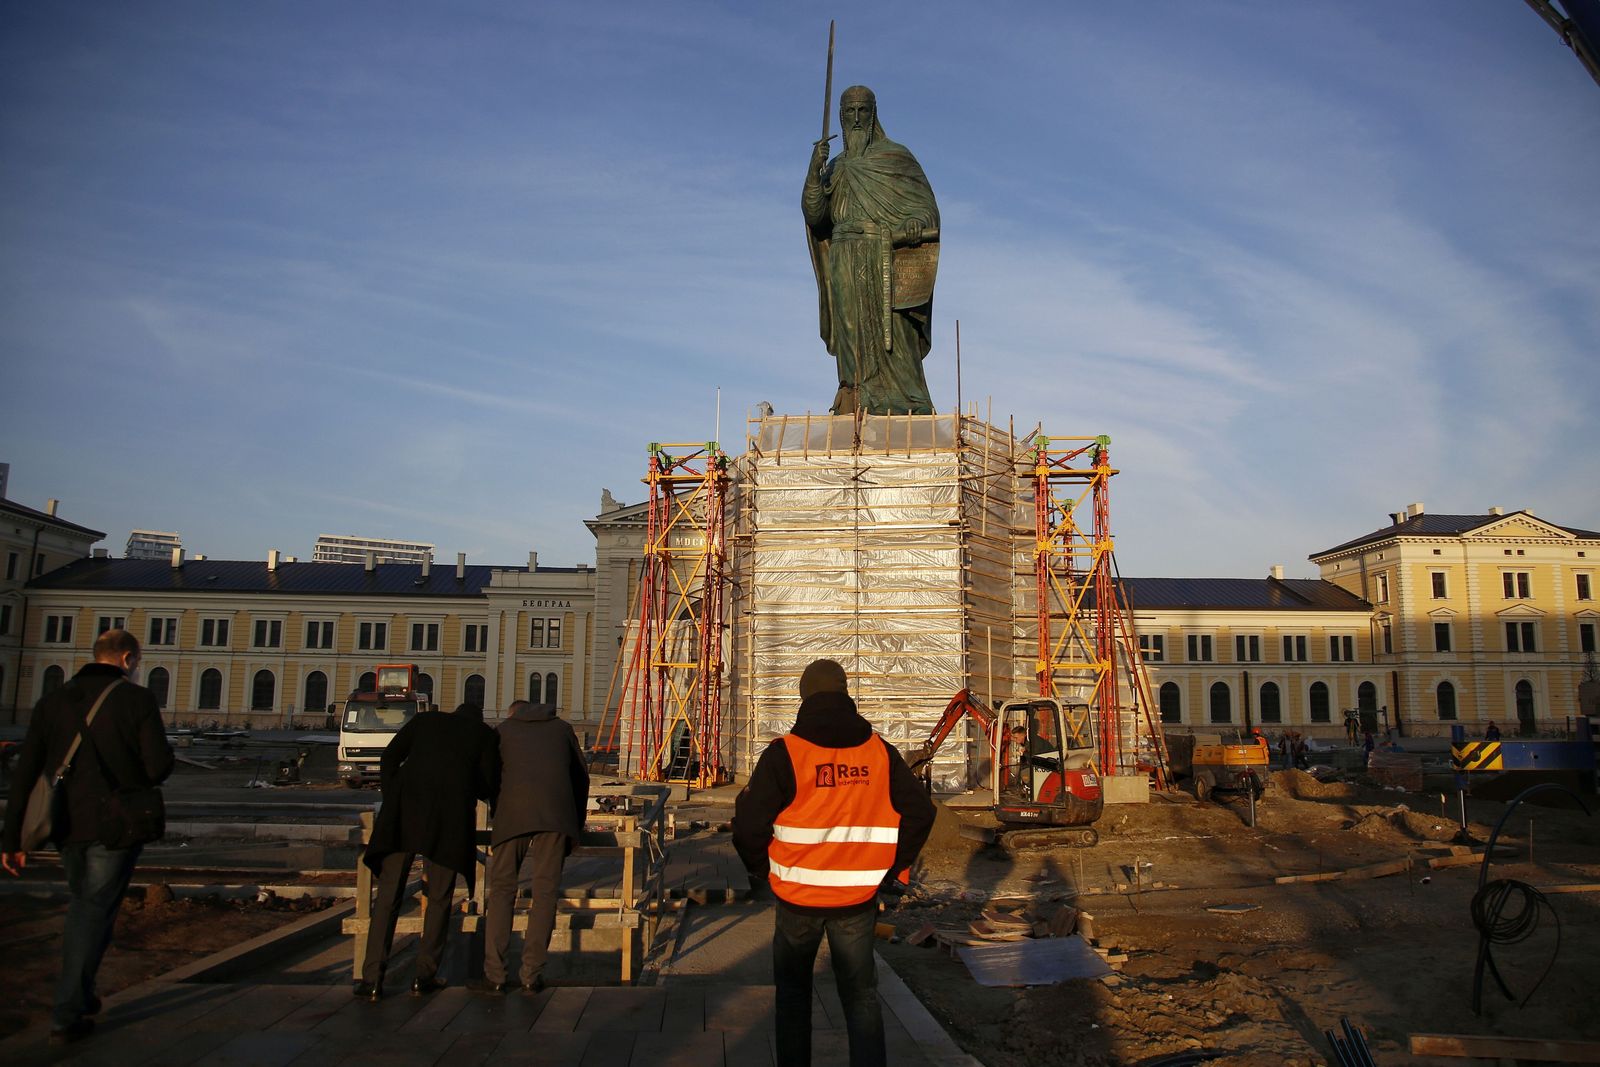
(150, 940)
(1395, 955)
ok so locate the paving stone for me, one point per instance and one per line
(624, 1009)
(749, 1048)
(540, 1049)
(685, 1010)
(563, 1008)
(678, 1050)
(609, 1048)
(739, 1008)
(260, 1049)
(501, 1014)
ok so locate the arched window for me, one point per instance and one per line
(210, 689)
(1445, 695)
(425, 683)
(473, 691)
(316, 698)
(1171, 702)
(1221, 702)
(551, 686)
(54, 677)
(1367, 697)
(535, 687)
(1525, 714)
(158, 682)
(263, 688)
(369, 682)
(1271, 705)
(1320, 707)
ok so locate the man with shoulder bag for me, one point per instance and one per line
(99, 744)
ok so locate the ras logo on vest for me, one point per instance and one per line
(832, 774)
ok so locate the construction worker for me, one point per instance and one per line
(830, 814)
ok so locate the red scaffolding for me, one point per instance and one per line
(672, 697)
(1088, 645)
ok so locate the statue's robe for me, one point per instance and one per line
(863, 200)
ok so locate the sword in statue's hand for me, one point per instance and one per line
(827, 104)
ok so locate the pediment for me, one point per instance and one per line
(1588, 613)
(1521, 525)
(1442, 613)
(1520, 611)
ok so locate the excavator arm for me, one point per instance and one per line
(963, 703)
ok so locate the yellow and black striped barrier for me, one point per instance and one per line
(1477, 756)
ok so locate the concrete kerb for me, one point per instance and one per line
(270, 831)
(938, 1046)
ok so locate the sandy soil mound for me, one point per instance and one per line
(1303, 786)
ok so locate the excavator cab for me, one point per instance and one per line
(1045, 768)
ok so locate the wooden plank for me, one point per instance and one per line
(1505, 1048)
(1571, 887)
(1379, 870)
(1325, 876)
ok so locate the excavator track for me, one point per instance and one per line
(1014, 841)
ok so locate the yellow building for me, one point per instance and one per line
(1477, 618)
(1226, 654)
(272, 643)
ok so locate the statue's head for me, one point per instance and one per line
(858, 118)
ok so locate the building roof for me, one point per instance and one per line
(1240, 594)
(291, 579)
(11, 507)
(1426, 525)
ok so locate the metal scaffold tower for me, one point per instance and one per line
(1088, 647)
(675, 680)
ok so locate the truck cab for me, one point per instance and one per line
(370, 719)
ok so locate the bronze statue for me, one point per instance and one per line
(873, 228)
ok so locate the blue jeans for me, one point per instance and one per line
(795, 940)
(97, 879)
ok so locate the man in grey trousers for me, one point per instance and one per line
(544, 793)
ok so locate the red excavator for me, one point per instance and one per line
(1042, 774)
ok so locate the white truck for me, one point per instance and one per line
(370, 719)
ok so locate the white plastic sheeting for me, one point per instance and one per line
(890, 550)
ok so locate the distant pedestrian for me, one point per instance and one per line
(433, 774)
(1352, 726)
(1491, 732)
(538, 815)
(830, 814)
(124, 748)
(1368, 746)
(1301, 752)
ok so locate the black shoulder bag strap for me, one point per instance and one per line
(72, 749)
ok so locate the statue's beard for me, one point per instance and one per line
(856, 139)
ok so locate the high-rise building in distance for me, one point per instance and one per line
(337, 548)
(151, 544)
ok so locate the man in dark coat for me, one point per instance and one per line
(544, 792)
(828, 720)
(433, 774)
(125, 747)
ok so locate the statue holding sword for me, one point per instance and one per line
(873, 229)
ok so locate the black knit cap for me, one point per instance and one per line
(822, 676)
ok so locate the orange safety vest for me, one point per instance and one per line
(835, 842)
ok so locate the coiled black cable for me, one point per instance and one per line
(1505, 912)
(1489, 908)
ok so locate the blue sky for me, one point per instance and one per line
(442, 272)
